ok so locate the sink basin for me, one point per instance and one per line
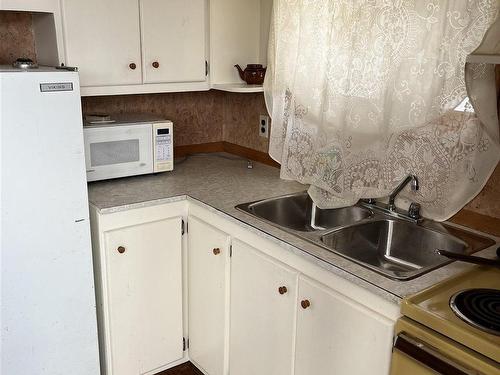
(395, 248)
(297, 212)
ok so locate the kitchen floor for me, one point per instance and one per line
(184, 369)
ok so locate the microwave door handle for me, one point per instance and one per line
(429, 356)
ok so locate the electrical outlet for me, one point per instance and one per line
(264, 126)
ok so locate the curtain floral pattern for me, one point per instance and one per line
(362, 93)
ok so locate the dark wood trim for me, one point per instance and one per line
(185, 369)
(477, 221)
(250, 154)
(497, 80)
(180, 151)
(262, 157)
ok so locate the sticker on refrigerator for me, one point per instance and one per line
(54, 87)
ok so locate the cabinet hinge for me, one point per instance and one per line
(230, 251)
(185, 344)
(206, 68)
(184, 227)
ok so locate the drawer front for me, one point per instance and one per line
(419, 350)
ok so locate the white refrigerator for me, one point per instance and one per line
(48, 315)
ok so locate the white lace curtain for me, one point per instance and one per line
(362, 93)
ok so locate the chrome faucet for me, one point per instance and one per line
(414, 187)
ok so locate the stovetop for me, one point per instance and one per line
(479, 307)
(475, 318)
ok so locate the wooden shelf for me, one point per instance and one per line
(238, 87)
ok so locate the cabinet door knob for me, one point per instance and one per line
(282, 289)
(156, 64)
(216, 251)
(121, 249)
(305, 304)
(132, 66)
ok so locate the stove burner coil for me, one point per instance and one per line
(479, 308)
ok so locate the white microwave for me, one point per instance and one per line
(120, 148)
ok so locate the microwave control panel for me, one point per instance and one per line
(163, 147)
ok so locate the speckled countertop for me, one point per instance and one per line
(220, 182)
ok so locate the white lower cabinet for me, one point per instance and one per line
(336, 335)
(138, 266)
(251, 309)
(263, 294)
(208, 257)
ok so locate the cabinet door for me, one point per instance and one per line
(144, 285)
(335, 335)
(207, 266)
(173, 40)
(102, 38)
(262, 317)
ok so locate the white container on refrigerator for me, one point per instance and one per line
(48, 312)
(129, 146)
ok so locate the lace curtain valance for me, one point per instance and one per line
(362, 93)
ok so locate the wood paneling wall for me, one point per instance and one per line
(16, 37)
(199, 117)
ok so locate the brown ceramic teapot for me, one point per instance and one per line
(253, 74)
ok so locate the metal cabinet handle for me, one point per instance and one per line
(429, 356)
(132, 66)
(305, 304)
(282, 290)
(216, 251)
(121, 249)
(156, 64)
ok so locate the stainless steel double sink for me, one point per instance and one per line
(396, 248)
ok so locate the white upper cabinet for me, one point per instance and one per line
(136, 46)
(102, 38)
(173, 40)
(146, 46)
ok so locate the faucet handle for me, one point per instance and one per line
(414, 211)
(414, 183)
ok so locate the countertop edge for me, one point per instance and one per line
(337, 270)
